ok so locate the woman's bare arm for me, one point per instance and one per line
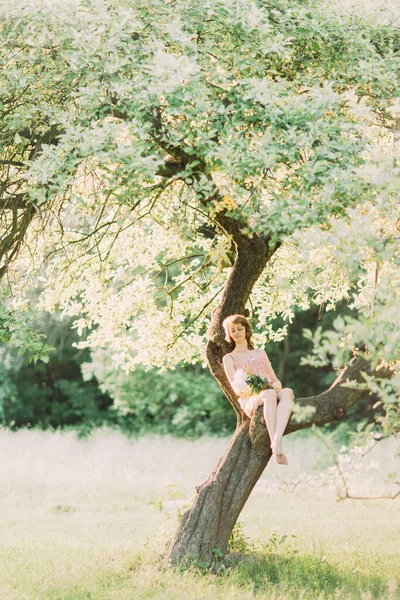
(229, 367)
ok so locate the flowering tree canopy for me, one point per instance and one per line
(145, 145)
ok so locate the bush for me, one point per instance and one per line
(35, 395)
(182, 402)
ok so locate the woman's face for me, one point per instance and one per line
(238, 332)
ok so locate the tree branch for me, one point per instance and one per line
(14, 201)
(331, 405)
(10, 245)
(251, 258)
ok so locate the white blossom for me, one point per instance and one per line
(239, 384)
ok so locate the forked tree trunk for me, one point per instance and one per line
(206, 527)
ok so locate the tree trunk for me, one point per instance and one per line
(283, 358)
(208, 524)
(206, 527)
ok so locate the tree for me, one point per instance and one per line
(204, 158)
(51, 394)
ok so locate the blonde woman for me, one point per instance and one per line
(244, 359)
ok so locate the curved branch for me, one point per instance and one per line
(13, 201)
(11, 244)
(249, 263)
(170, 169)
(331, 405)
(334, 403)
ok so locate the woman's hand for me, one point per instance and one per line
(277, 386)
(251, 405)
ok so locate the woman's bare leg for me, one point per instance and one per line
(269, 400)
(283, 412)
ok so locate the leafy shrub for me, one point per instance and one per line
(180, 402)
(33, 395)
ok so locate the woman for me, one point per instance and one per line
(276, 402)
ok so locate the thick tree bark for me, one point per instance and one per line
(207, 525)
(247, 268)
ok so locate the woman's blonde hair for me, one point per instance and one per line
(243, 321)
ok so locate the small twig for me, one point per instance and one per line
(376, 440)
(205, 264)
(334, 456)
(393, 497)
(195, 319)
(347, 494)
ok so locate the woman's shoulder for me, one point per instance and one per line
(258, 351)
(228, 356)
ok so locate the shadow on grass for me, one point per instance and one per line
(303, 576)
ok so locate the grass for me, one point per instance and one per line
(89, 519)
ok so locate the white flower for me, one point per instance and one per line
(239, 383)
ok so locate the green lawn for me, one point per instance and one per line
(90, 519)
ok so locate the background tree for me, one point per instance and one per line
(196, 159)
(51, 394)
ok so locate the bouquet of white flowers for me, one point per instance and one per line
(246, 384)
(240, 385)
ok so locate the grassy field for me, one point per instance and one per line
(90, 519)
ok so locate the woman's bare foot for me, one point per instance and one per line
(279, 456)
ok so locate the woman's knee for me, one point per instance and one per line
(287, 392)
(269, 396)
